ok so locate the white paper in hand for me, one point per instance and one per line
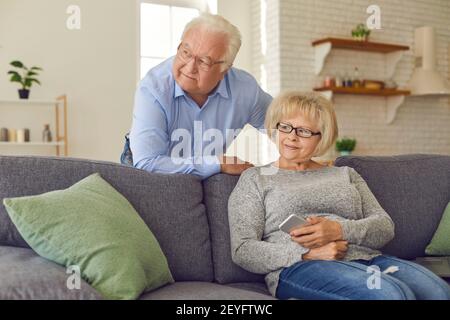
(253, 146)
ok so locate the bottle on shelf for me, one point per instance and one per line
(339, 81)
(46, 134)
(356, 80)
(348, 80)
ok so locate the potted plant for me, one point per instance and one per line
(345, 146)
(26, 79)
(361, 32)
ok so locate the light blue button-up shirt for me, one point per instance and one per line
(162, 110)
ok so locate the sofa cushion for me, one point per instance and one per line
(217, 190)
(203, 291)
(413, 189)
(440, 243)
(92, 226)
(26, 276)
(251, 286)
(170, 205)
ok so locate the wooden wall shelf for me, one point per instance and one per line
(394, 97)
(368, 46)
(322, 49)
(364, 91)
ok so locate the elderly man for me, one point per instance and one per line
(191, 97)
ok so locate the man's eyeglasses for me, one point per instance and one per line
(301, 132)
(204, 63)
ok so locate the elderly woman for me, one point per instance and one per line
(334, 255)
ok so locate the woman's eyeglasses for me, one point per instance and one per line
(301, 132)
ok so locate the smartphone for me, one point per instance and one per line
(292, 222)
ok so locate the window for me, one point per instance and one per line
(161, 26)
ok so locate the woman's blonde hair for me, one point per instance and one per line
(312, 105)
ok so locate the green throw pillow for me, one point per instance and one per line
(440, 244)
(92, 226)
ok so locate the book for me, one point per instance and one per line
(254, 146)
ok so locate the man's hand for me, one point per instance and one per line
(317, 233)
(233, 165)
(335, 250)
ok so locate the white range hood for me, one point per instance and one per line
(426, 80)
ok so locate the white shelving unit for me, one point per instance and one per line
(31, 143)
(60, 109)
(29, 102)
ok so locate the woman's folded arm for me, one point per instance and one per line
(376, 229)
(246, 214)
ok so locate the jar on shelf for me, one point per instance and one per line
(356, 80)
(329, 82)
(4, 136)
(339, 81)
(27, 135)
(20, 135)
(347, 81)
(12, 133)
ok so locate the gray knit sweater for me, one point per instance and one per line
(261, 201)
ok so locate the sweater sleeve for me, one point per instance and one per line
(246, 213)
(376, 228)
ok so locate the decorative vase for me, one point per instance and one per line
(20, 135)
(361, 38)
(345, 153)
(27, 134)
(47, 134)
(12, 133)
(24, 93)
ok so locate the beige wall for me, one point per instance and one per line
(95, 66)
(238, 13)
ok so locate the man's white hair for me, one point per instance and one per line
(218, 24)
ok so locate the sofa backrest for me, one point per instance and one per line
(217, 190)
(413, 189)
(171, 205)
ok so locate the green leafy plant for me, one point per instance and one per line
(361, 32)
(346, 144)
(26, 77)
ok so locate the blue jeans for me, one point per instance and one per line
(342, 280)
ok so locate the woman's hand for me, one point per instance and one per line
(319, 232)
(335, 250)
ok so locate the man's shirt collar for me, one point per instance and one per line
(221, 89)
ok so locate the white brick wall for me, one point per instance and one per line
(270, 61)
(422, 124)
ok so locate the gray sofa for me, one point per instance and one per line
(189, 218)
